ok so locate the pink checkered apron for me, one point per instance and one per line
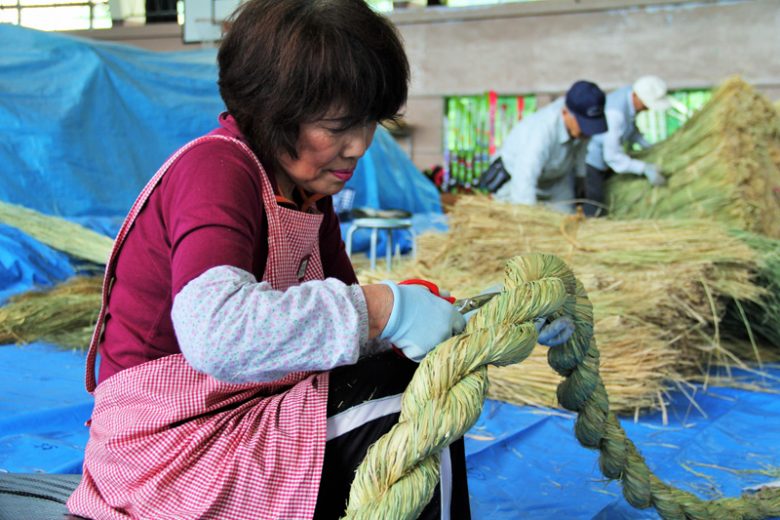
(168, 442)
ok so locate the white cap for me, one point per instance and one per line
(651, 91)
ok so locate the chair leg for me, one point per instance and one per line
(374, 233)
(389, 249)
(348, 241)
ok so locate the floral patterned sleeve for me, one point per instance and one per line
(239, 330)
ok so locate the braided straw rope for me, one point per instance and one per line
(444, 399)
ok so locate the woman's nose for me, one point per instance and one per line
(359, 139)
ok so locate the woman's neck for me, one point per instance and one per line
(285, 186)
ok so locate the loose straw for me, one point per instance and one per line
(58, 233)
(444, 399)
(63, 315)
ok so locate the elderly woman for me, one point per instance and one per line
(244, 372)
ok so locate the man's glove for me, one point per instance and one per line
(420, 320)
(551, 334)
(555, 333)
(759, 487)
(654, 175)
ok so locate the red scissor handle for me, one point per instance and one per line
(428, 285)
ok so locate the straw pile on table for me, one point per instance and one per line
(63, 315)
(58, 233)
(659, 290)
(723, 164)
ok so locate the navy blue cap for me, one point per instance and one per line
(585, 100)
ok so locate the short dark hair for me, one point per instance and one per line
(287, 62)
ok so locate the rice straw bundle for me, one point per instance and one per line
(723, 164)
(659, 289)
(58, 233)
(764, 317)
(64, 315)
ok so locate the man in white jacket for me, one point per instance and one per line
(607, 153)
(542, 154)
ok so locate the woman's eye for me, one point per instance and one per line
(336, 128)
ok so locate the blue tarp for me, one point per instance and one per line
(43, 409)
(523, 462)
(84, 125)
(25, 262)
(530, 465)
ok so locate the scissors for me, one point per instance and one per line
(464, 305)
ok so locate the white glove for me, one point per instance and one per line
(654, 175)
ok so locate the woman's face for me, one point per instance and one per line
(327, 155)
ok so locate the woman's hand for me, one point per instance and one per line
(418, 320)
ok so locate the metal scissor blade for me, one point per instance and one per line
(465, 305)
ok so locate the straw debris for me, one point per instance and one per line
(64, 315)
(58, 233)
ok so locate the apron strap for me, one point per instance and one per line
(274, 232)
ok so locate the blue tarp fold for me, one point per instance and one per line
(26, 263)
(84, 125)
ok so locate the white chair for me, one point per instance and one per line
(386, 224)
